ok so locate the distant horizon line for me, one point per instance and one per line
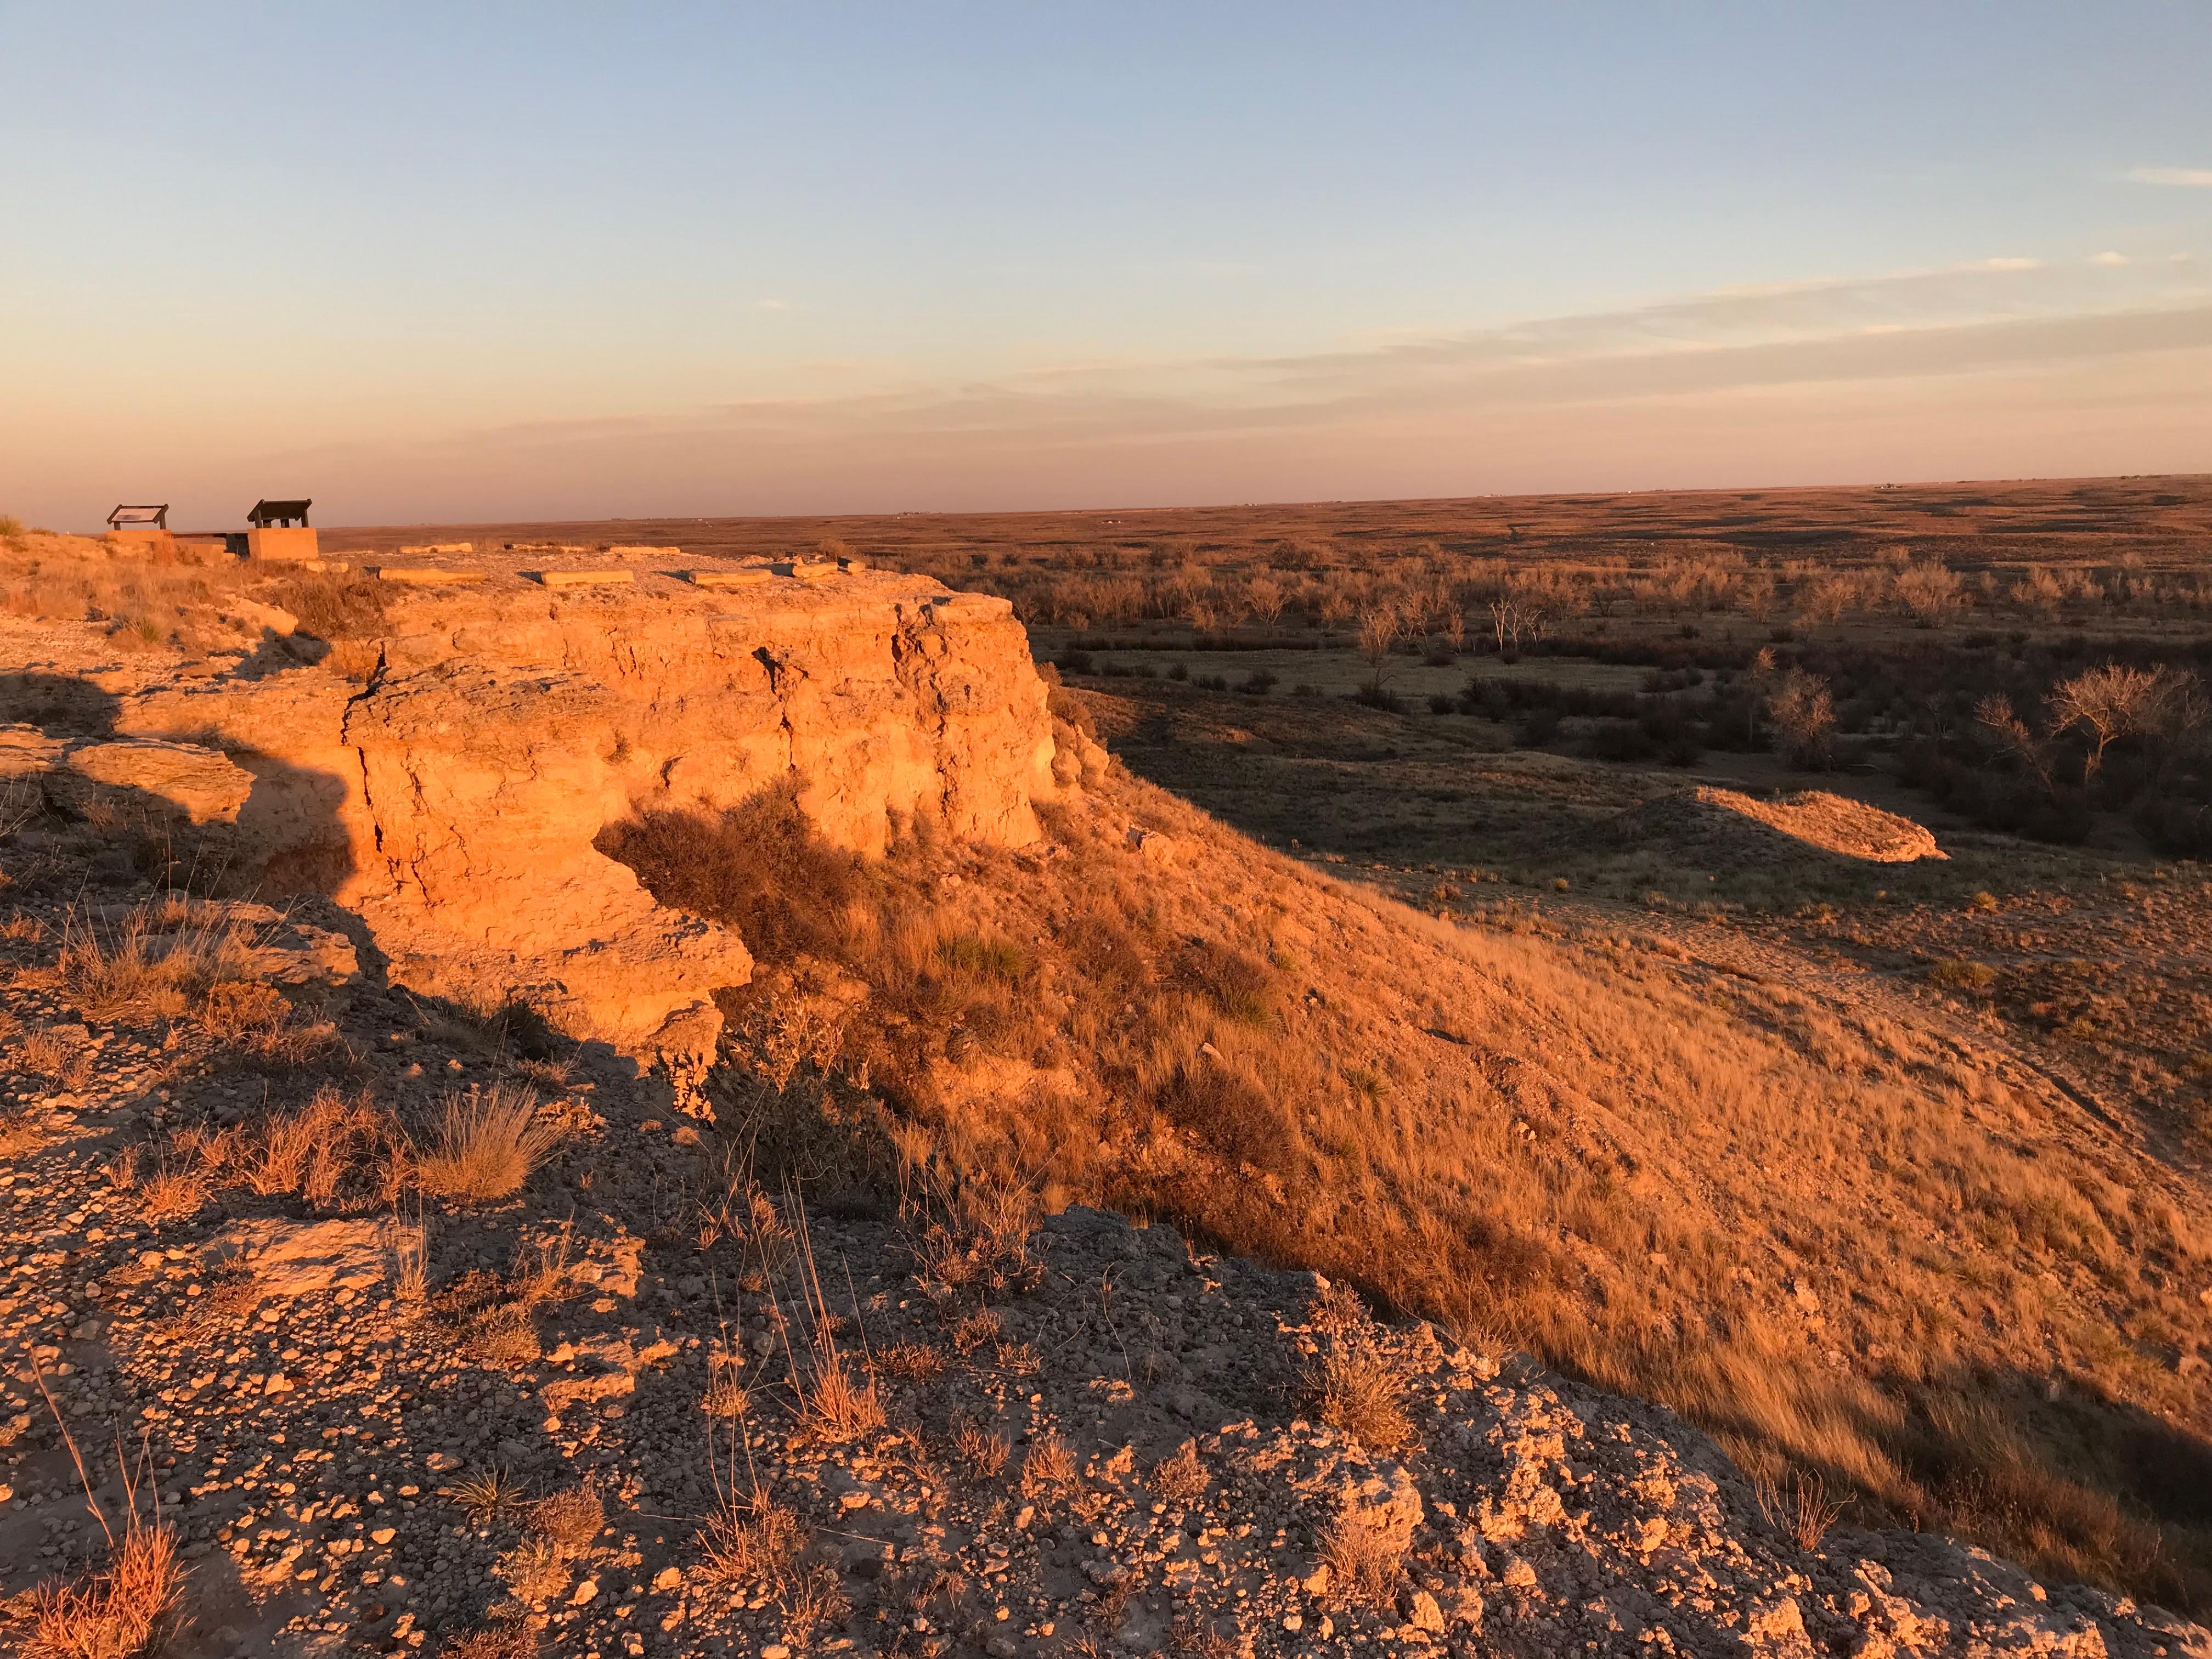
(1332, 500)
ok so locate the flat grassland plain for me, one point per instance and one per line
(1885, 1167)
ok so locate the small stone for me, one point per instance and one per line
(277, 1383)
(775, 1650)
(1422, 1613)
(444, 1462)
(383, 1535)
(667, 1579)
(1520, 1574)
(584, 1592)
(1294, 1622)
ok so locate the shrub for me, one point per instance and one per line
(488, 1142)
(758, 867)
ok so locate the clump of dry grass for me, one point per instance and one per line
(1181, 1478)
(485, 1496)
(1048, 1467)
(158, 961)
(1353, 1383)
(486, 1145)
(508, 1639)
(535, 1570)
(22, 1129)
(909, 1362)
(51, 1055)
(984, 1450)
(817, 1600)
(339, 1151)
(129, 1608)
(1365, 1560)
(1798, 1506)
(832, 1403)
(411, 1264)
(751, 1541)
(726, 1397)
(976, 1241)
(171, 1191)
(573, 1519)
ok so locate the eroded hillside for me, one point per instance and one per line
(1886, 1264)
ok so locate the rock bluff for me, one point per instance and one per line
(452, 801)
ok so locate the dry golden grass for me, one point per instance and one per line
(573, 1519)
(1359, 1391)
(536, 1570)
(1798, 1506)
(485, 1496)
(486, 1144)
(1048, 1467)
(833, 1404)
(1182, 1477)
(339, 1151)
(171, 1193)
(751, 1542)
(159, 961)
(909, 1362)
(127, 1610)
(1692, 1187)
(1365, 1561)
(22, 1129)
(144, 601)
(726, 1397)
(983, 1451)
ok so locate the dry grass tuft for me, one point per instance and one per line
(1366, 1560)
(833, 1405)
(162, 959)
(131, 1608)
(1801, 1509)
(50, 1055)
(1355, 1386)
(535, 1570)
(171, 1193)
(751, 1541)
(815, 1601)
(486, 1145)
(485, 1497)
(338, 1153)
(909, 1362)
(571, 1519)
(1182, 1477)
(501, 1639)
(22, 1129)
(1048, 1468)
(985, 1451)
(726, 1397)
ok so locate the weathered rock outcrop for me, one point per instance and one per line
(454, 800)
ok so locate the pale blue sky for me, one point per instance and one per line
(479, 261)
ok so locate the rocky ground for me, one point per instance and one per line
(645, 1407)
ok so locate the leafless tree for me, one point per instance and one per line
(1515, 617)
(1266, 596)
(1804, 714)
(2118, 702)
(1382, 625)
(1995, 711)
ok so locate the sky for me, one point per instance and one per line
(448, 264)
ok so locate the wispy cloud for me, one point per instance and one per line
(2182, 178)
(1986, 369)
(2111, 259)
(771, 305)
